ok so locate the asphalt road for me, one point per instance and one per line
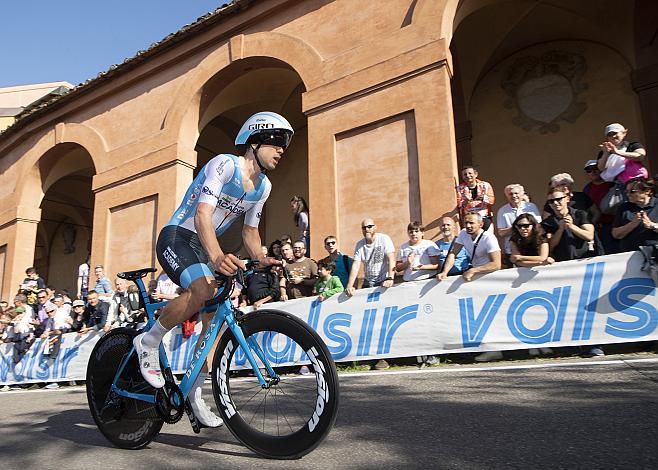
(531, 415)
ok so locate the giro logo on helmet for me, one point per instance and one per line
(257, 126)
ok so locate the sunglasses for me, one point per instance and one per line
(612, 134)
(593, 170)
(523, 225)
(555, 200)
(330, 243)
(275, 137)
(42, 297)
(367, 226)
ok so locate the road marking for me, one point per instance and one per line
(85, 425)
(426, 370)
(446, 370)
(74, 388)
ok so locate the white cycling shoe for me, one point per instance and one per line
(149, 363)
(203, 413)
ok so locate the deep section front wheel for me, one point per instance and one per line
(292, 416)
(125, 422)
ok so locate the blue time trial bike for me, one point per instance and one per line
(262, 401)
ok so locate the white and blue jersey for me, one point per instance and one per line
(219, 183)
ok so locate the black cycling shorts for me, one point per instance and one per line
(182, 256)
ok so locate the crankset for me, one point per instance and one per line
(169, 401)
(196, 425)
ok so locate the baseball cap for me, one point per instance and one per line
(589, 163)
(78, 303)
(614, 127)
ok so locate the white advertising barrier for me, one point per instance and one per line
(597, 301)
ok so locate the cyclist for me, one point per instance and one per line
(188, 249)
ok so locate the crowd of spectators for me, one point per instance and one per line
(616, 211)
(42, 312)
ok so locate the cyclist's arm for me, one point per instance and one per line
(252, 242)
(250, 233)
(206, 231)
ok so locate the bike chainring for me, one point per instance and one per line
(169, 403)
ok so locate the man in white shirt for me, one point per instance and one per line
(377, 254)
(63, 313)
(166, 288)
(482, 246)
(485, 258)
(507, 214)
(416, 253)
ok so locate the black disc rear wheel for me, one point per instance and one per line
(290, 418)
(125, 422)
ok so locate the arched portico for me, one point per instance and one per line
(536, 82)
(183, 117)
(57, 189)
(226, 99)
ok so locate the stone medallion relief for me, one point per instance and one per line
(544, 90)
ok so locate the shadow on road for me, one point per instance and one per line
(543, 418)
(75, 430)
(563, 417)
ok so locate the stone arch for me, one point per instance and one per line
(479, 50)
(183, 115)
(58, 191)
(448, 15)
(88, 138)
(84, 136)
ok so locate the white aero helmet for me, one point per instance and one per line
(265, 128)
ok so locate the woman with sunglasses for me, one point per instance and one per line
(571, 234)
(636, 222)
(529, 243)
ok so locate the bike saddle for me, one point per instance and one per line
(138, 273)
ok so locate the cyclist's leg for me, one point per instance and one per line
(188, 302)
(177, 311)
(201, 410)
(181, 256)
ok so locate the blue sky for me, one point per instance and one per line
(74, 40)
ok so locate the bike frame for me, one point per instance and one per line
(224, 313)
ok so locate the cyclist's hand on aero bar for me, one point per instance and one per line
(228, 264)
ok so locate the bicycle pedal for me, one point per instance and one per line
(196, 425)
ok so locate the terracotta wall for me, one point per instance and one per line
(368, 85)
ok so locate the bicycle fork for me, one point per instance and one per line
(248, 345)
